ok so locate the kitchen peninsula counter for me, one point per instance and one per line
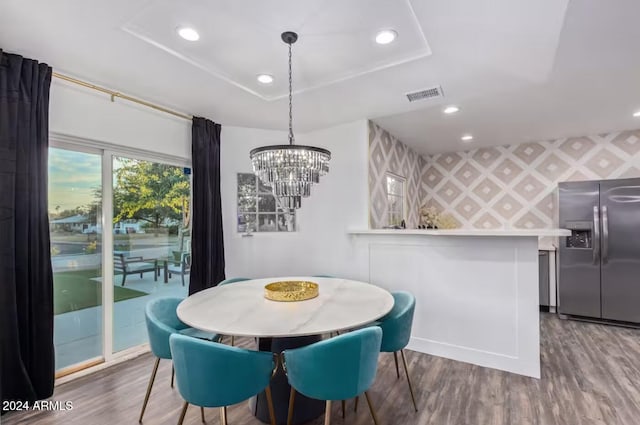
(476, 290)
(464, 232)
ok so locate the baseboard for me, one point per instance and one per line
(95, 365)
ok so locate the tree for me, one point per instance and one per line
(150, 191)
(93, 210)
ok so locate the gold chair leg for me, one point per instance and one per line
(146, 397)
(173, 374)
(373, 412)
(184, 412)
(202, 414)
(406, 370)
(223, 415)
(272, 413)
(395, 359)
(233, 341)
(343, 409)
(355, 405)
(327, 413)
(292, 398)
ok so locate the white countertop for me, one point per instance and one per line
(548, 243)
(464, 232)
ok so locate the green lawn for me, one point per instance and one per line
(75, 291)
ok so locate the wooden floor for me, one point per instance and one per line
(590, 375)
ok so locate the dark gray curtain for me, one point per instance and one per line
(26, 280)
(207, 243)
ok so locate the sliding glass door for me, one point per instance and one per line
(75, 209)
(140, 208)
(151, 242)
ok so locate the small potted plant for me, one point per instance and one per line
(428, 217)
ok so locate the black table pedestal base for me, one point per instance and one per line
(306, 409)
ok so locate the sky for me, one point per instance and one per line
(72, 178)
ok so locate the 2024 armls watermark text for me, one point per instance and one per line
(40, 405)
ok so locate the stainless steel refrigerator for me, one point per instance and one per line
(599, 264)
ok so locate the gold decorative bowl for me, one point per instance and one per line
(291, 290)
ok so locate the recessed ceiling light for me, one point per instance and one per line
(636, 114)
(451, 109)
(386, 36)
(265, 78)
(467, 138)
(188, 34)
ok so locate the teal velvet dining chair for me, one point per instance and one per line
(334, 369)
(162, 322)
(210, 374)
(396, 332)
(232, 280)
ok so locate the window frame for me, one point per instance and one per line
(391, 212)
(260, 190)
(107, 151)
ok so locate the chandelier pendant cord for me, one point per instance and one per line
(291, 138)
(290, 170)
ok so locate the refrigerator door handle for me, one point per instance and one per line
(596, 235)
(605, 235)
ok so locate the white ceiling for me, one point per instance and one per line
(520, 70)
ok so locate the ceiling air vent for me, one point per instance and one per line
(429, 93)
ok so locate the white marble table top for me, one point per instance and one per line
(240, 308)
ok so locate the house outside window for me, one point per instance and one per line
(258, 209)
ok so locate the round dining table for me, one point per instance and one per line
(241, 309)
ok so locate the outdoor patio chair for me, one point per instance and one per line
(134, 265)
(183, 267)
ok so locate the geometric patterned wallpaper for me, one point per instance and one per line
(388, 154)
(516, 185)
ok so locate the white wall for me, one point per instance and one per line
(320, 245)
(80, 112)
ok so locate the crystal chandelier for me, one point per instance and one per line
(290, 170)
